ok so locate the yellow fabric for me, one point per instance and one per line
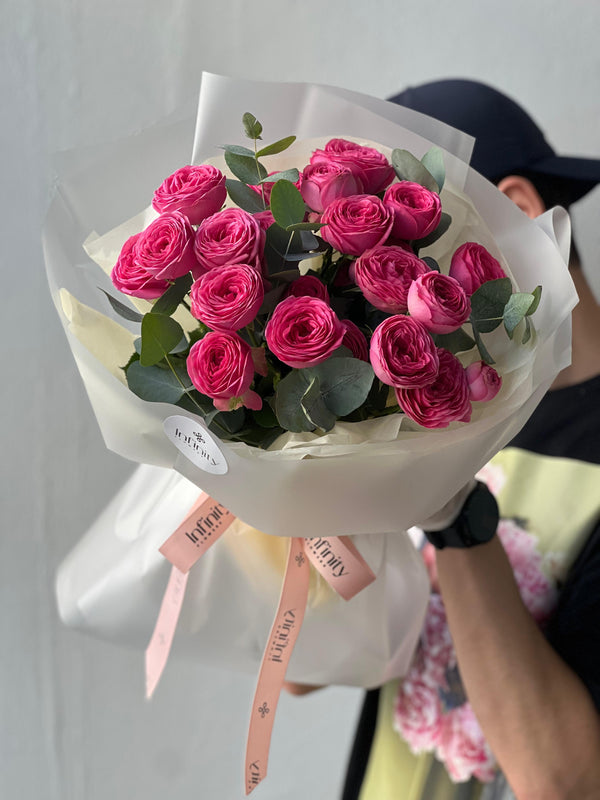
(532, 489)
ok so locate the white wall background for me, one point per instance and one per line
(73, 725)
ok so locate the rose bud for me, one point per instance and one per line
(325, 182)
(303, 331)
(130, 278)
(369, 165)
(308, 286)
(441, 402)
(220, 366)
(355, 340)
(232, 236)
(385, 274)
(439, 302)
(416, 210)
(402, 353)
(228, 298)
(197, 192)
(355, 224)
(165, 248)
(472, 265)
(484, 382)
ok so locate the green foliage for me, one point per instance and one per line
(237, 149)
(252, 127)
(287, 205)
(160, 335)
(277, 147)
(287, 175)
(433, 161)
(246, 168)
(244, 197)
(169, 302)
(456, 342)
(122, 310)
(442, 227)
(431, 263)
(488, 303)
(409, 168)
(157, 384)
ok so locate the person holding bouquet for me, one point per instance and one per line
(533, 693)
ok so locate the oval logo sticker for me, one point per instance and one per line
(196, 443)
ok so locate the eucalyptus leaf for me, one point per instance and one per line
(252, 127)
(515, 310)
(238, 149)
(169, 302)
(123, 310)
(483, 351)
(287, 204)
(442, 227)
(458, 341)
(160, 334)
(433, 161)
(305, 226)
(244, 197)
(265, 417)
(246, 168)
(277, 147)
(527, 332)
(409, 168)
(537, 294)
(287, 175)
(431, 263)
(313, 405)
(488, 303)
(155, 384)
(288, 402)
(345, 383)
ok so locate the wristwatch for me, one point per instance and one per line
(476, 523)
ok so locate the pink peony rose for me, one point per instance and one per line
(355, 340)
(355, 224)
(439, 302)
(484, 382)
(228, 298)
(385, 274)
(130, 278)
(197, 192)
(463, 748)
(443, 401)
(220, 366)
(165, 248)
(325, 182)
(472, 265)
(369, 165)
(303, 331)
(418, 715)
(402, 353)
(308, 286)
(416, 210)
(231, 236)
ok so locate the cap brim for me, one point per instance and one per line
(582, 173)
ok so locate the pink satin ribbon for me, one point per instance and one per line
(339, 562)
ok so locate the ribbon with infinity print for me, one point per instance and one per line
(334, 557)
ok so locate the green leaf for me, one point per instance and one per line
(252, 127)
(287, 175)
(277, 147)
(238, 149)
(169, 302)
(442, 227)
(488, 302)
(483, 351)
(313, 405)
(287, 205)
(409, 168)
(265, 417)
(431, 263)
(123, 310)
(515, 310)
(433, 161)
(156, 384)
(305, 226)
(160, 334)
(246, 168)
(345, 383)
(288, 402)
(458, 341)
(244, 197)
(527, 332)
(537, 294)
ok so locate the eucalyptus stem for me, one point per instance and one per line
(251, 336)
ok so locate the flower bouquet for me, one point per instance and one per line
(330, 356)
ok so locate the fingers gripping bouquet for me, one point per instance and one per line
(325, 335)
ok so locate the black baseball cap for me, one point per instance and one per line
(507, 140)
